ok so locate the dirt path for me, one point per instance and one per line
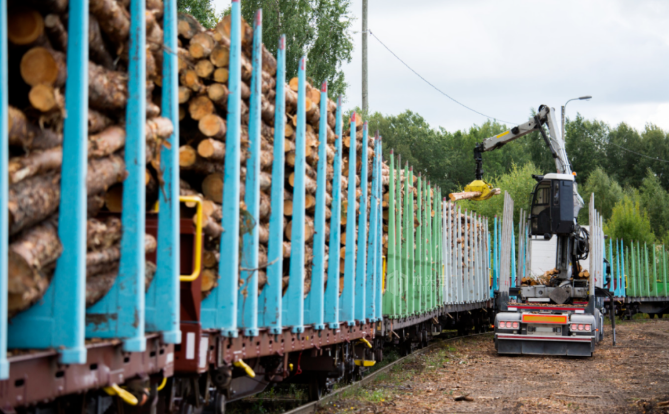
(630, 377)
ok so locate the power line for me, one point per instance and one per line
(437, 89)
(638, 153)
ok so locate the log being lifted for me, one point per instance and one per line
(467, 195)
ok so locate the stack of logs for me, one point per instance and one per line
(203, 95)
(38, 72)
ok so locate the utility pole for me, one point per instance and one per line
(365, 95)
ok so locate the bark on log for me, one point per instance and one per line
(104, 172)
(98, 285)
(96, 46)
(114, 20)
(97, 121)
(32, 200)
(188, 26)
(102, 235)
(106, 142)
(30, 256)
(36, 162)
(106, 89)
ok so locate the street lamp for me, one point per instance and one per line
(582, 98)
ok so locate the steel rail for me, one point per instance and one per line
(312, 406)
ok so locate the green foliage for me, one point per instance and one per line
(629, 222)
(607, 193)
(202, 10)
(654, 200)
(316, 28)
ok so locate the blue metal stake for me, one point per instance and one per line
(379, 231)
(125, 299)
(362, 233)
(347, 305)
(4, 191)
(248, 292)
(332, 290)
(163, 297)
(495, 259)
(270, 297)
(57, 321)
(293, 304)
(219, 309)
(313, 308)
(370, 293)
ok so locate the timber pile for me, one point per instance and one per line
(203, 96)
(38, 71)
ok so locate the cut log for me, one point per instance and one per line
(201, 45)
(220, 56)
(211, 148)
(204, 69)
(308, 229)
(210, 227)
(466, 195)
(45, 98)
(30, 255)
(212, 187)
(25, 27)
(184, 94)
(190, 79)
(188, 26)
(218, 94)
(221, 75)
(209, 281)
(309, 184)
(212, 125)
(210, 258)
(199, 107)
(42, 65)
(114, 20)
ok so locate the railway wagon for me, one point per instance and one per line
(420, 265)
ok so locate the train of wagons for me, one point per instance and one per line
(167, 350)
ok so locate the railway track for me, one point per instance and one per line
(313, 406)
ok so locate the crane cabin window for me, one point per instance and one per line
(541, 219)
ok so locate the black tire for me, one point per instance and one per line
(219, 403)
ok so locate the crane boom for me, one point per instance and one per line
(553, 141)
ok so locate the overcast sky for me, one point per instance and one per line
(504, 57)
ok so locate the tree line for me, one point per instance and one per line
(625, 168)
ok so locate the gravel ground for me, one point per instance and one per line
(630, 377)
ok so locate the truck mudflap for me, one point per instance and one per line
(544, 345)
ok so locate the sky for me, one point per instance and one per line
(503, 58)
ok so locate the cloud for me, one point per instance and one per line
(504, 58)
